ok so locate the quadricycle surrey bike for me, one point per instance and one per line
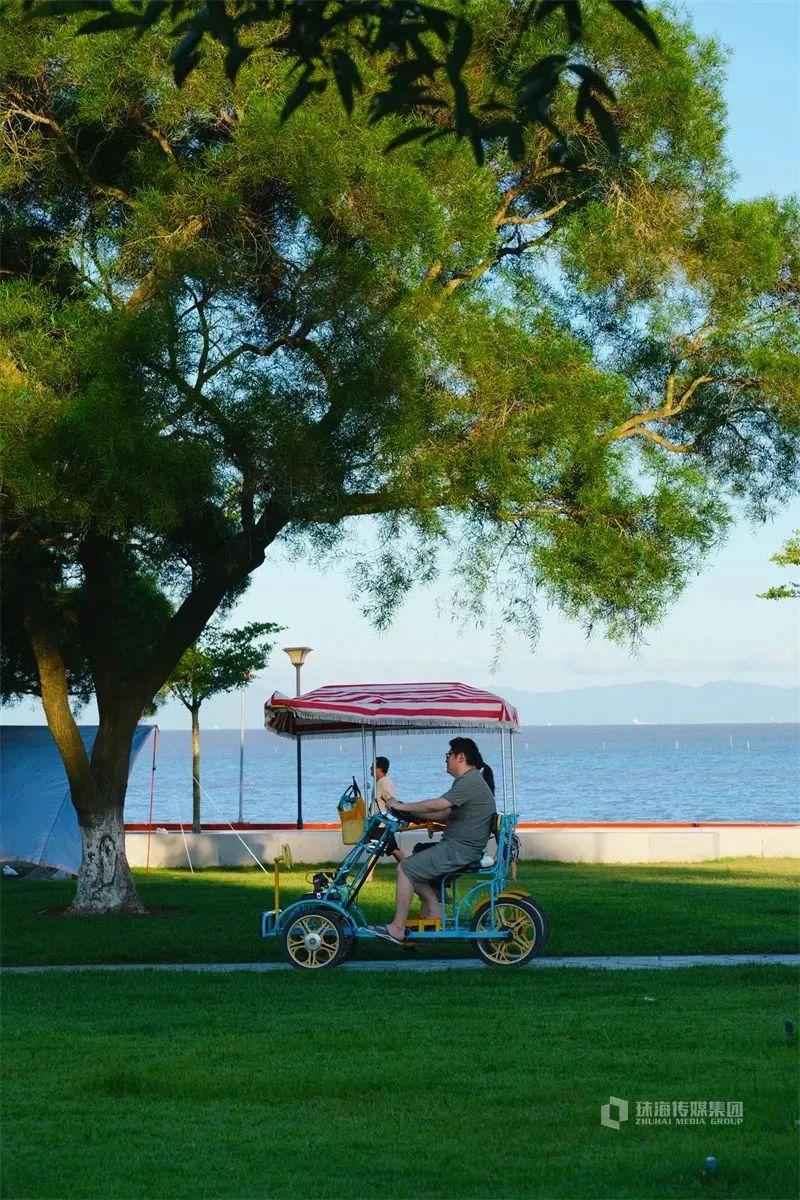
(481, 905)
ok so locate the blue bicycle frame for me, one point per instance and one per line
(341, 891)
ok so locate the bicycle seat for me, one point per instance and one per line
(451, 875)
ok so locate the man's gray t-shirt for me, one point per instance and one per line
(473, 806)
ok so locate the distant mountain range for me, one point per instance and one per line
(657, 703)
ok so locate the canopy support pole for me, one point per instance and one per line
(299, 781)
(364, 760)
(374, 774)
(503, 763)
(513, 772)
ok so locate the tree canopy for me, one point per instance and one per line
(789, 556)
(222, 329)
(221, 661)
(426, 43)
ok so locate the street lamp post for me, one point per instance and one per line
(241, 754)
(297, 656)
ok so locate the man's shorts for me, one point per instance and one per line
(446, 856)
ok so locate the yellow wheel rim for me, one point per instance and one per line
(313, 940)
(521, 932)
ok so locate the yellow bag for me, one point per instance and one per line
(352, 815)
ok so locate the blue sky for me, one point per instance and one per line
(718, 630)
(763, 87)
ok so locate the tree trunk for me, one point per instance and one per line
(195, 711)
(105, 883)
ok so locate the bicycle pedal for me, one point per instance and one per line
(423, 925)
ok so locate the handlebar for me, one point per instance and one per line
(411, 819)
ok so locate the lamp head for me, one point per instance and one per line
(297, 654)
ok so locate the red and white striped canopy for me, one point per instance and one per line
(393, 707)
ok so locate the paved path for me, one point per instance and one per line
(642, 962)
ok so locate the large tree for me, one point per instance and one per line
(222, 330)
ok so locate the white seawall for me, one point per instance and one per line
(597, 843)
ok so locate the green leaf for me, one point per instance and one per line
(605, 124)
(516, 141)
(437, 20)
(594, 79)
(408, 135)
(306, 87)
(582, 101)
(185, 65)
(572, 15)
(462, 44)
(402, 100)
(236, 56)
(528, 15)
(347, 78)
(540, 83)
(185, 56)
(511, 130)
(112, 20)
(155, 8)
(477, 146)
(633, 11)
(56, 8)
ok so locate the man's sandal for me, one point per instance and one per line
(382, 931)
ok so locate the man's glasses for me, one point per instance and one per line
(449, 754)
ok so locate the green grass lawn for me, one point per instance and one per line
(725, 906)
(478, 1084)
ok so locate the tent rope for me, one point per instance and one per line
(230, 826)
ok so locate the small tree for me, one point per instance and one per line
(789, 556)
(221, 661)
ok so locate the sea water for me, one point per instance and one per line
(564, 773)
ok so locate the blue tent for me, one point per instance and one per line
(38, 823)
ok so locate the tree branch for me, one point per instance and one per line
(147, 288)
(636, 426)
(545, 216)
(652, 436)
(285, 339)
(102, 189)
(670, 408)
(157, 136)
(235, 560)
(481, 269)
